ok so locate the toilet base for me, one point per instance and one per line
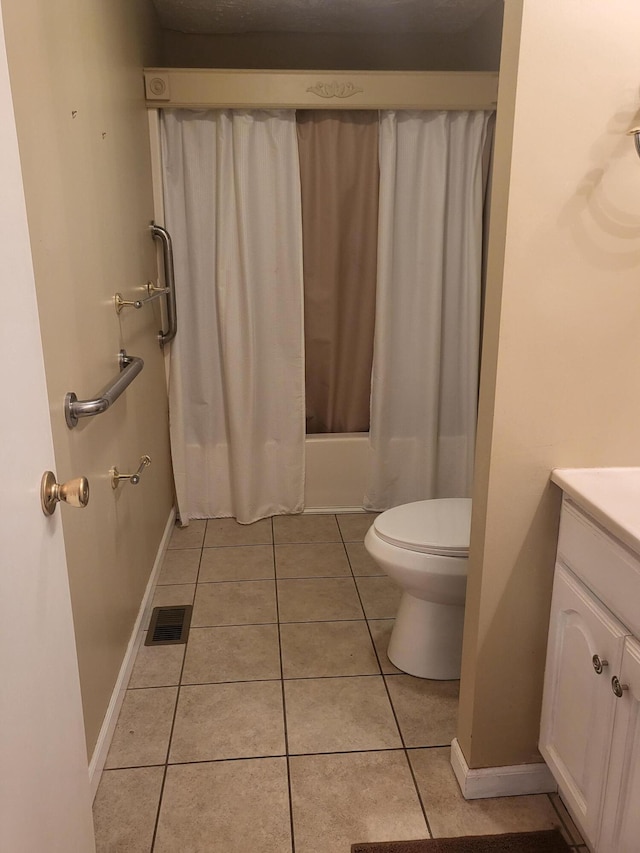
(426, 640)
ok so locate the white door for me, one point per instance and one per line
(44, 781)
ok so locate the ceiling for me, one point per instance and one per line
(319, 16)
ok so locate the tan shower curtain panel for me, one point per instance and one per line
(338, 153)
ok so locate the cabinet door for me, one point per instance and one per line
(578, 704)
(620, 831)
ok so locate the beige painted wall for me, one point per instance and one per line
(77, 85)
(562, 340)
(476, 49)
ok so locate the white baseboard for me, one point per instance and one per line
(509, 781)
(99, 756)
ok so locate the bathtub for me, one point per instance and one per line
(337, 471)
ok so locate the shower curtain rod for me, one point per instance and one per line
(207, 88)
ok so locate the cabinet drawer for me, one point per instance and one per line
(606, 566)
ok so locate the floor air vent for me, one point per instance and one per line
(169, 625)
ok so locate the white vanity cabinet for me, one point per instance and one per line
(579, 705)
(590, 727)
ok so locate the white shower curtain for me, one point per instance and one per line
(425, 364)
(236, 387)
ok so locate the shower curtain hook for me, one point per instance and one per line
(635, 132)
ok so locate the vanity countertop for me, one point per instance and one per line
(610, 495)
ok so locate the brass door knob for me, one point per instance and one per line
(73, 492)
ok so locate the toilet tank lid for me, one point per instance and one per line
(439, 526)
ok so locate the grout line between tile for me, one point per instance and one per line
(242, 580)
(420, 800)
(199, 567)
(295, 622)
(393, 710)
(175, 711)
(280, 755)
(263, 680)
(197, 761)
(238, 545)
(234, 624)
(130, 767)
(284, 701)
(333, 677)
(343, 576)
(355, 751)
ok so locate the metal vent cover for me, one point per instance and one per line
(169, 625)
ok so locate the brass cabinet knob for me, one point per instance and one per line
(73, 492)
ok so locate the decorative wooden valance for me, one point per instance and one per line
(199, 88)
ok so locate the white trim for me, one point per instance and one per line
(99, 756)
(224, 88)
(509, 781)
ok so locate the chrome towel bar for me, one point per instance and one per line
(163, 235)
(130, 367)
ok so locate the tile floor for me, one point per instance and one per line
(282, 727)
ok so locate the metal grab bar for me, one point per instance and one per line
(130, 367)
(153, 292)
(162, 234)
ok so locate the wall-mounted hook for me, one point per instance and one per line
(134, 479)
(152, 291)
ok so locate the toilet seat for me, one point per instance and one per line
(439, 527)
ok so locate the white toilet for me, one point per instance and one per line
(424, 548)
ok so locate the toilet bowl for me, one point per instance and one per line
(424, 548)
